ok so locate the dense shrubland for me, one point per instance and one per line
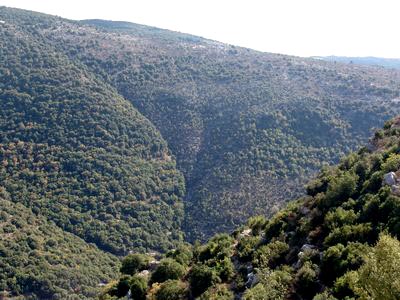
(338, 242)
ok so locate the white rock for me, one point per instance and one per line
(252, 280)
(144, 273)
(390, 179)
(306, 247)
(245, 233)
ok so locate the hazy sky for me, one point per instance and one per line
(298, 27)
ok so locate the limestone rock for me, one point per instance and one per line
(390, 179)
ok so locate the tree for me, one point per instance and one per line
(172, 290)
(219, 292)
(168, 269)
(379, 276)
(133, 263)
(138, 288)
(201, 278)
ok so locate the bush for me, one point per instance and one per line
(122, 287)
(218, 247)
(224, 268)
(374, 183)
(256, 224)
(138, 288)
(339, 217)
(274, 285)
(341, 188)
(219, 292)
(270, 255)
(172, 290)
(258, 292)
(325, 296)
(379, 276)
(133, 263)
(392, 164)
(201, 278)
(246, 247)
(342, 288)
(362, 232)
(168, 269)
(182, 254)
(307, 280)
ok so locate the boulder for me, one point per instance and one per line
(252, 280)
(245, 233)
(390, 179)
(306, 247)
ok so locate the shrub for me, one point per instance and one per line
(224, 268)
(325, 296)
(171, 290)
(379, 276)
(256, 224)
(201, 278)
(341, 188)
(339, 217)
(361, 233)
(219, 292)
(133, 263)
(182, 254)
(122, 287)
(374, 183)
(342, 288)
(273, 285)
(278, 282)
(246, 247)
(218, 247)
(168, 269)
(138, 288)
(258, 292)
(392, 163)
(270, 255)
(307, 280)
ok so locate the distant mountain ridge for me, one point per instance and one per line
(370, 60)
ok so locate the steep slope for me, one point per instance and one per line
(247, 128)
(74, 150)
(334, 243)
(41, 261)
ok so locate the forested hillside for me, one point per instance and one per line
(247, 128)
(41, 261)
(79, 161)
(340, 241)
(117, 137)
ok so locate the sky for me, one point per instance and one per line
(295, 27)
